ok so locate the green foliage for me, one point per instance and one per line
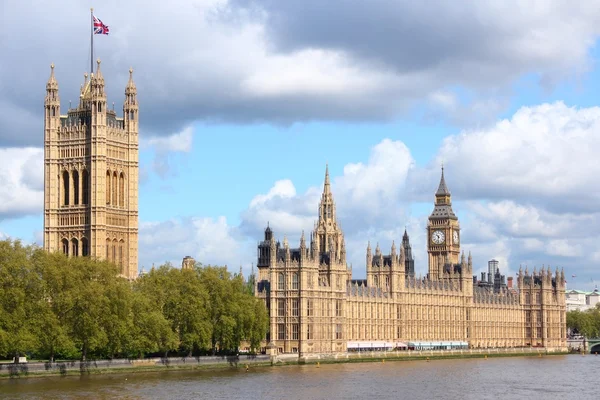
(55, 307)
(586, 323)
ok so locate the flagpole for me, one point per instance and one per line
(92, 41)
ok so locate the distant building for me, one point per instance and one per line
(316, 307)
(188, 263)
(581, 300)
(493, 280)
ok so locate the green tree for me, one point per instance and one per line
(55, 304)
(18, 291)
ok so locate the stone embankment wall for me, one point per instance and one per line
(416, 354)
(64, 367)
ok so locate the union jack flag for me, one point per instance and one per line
(99, 27)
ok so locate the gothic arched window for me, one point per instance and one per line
(281, 282)
(107, 184)
(121, 255)
(75, 187)
(294, 281)
(75, 247)
(85, 186)
(114, 252)
(122, 190)
(66, 187)
(65, 246)
(85, 247)
(114, 189)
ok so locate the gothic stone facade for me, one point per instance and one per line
(91, 175)
(316, 307)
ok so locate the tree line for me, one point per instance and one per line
(56, 307)
(586, 323)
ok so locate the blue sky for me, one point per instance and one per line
(243, 103)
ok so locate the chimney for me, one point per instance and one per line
(510, 279)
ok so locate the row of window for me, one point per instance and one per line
(81, 151)
(115, 189)
(72, 247)
(281, 281)
(309, 308)
(538, 298)
(294, 333)
(73, 220)
(115, 252)
(75, 188)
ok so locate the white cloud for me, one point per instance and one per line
(177, 142)
(544, 155)
(21, 180)
(208, 240)
(562, 247)
(166, 151)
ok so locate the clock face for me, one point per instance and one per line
(438, 237)
(455, 237)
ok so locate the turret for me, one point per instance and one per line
(130, 106)
(52, 107)
(303, 249)
(314, 247)
(470, 262)
(343, 252)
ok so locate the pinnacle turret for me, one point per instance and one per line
(130, 88)
(52, 84)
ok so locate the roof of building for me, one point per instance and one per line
(442, 188)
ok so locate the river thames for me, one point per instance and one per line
(549, 377)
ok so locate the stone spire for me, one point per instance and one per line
(130, 88)
(442, 188)
(326, 185)
(52, 84)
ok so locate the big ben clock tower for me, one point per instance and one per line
(443, 232)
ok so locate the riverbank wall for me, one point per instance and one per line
(405, 355)
(130, 365)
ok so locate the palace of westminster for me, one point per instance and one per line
(314, 304)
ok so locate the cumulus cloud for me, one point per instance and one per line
(208, 240)
(282, 62)
(21, 180)
(166, 148)
(544, 155)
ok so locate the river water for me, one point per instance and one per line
(551, 377)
